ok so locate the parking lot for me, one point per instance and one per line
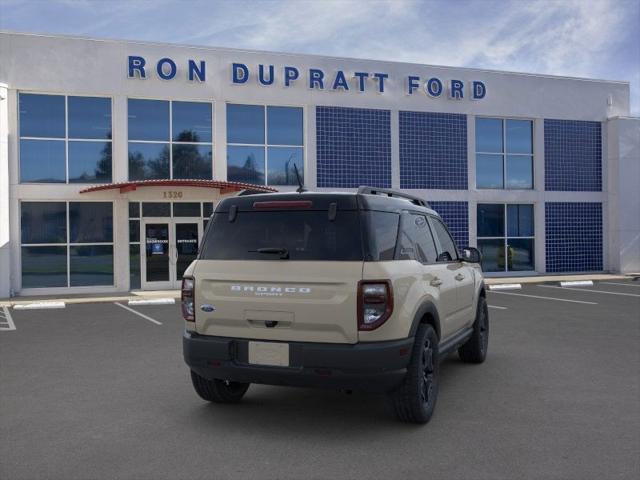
(101, 391)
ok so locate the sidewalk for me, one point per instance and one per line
(175, 294)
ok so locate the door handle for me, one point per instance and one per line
(436, 282)
(459, 277)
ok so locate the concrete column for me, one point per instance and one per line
(538, 185)
(5, 244)
(311, 159)
(623, 201)
(220, 141)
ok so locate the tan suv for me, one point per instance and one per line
(363, 291)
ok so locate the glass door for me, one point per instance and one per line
(156, 260)
(186, 238)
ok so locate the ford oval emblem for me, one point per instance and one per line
(207, 308)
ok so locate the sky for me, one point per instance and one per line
(579, 38)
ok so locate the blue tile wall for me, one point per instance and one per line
(456, 216)
(573, 236)
(433, 150)
(572, 155)
(353, 147)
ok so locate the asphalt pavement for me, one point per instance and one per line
(97, 391)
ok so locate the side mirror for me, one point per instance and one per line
(471, 255)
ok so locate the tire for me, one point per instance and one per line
(475, 349)
(415, 400)
(218, 391)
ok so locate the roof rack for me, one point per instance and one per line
(393, 193)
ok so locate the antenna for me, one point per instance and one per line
(300, 188)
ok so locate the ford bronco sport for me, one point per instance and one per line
(363, 291)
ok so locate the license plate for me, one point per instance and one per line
(269, 353)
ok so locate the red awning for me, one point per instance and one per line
(224, 187)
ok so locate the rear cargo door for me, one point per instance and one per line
(277, 273)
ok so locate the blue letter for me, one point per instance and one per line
(433, 87)
(261, 78)
(380, 77)
(290, 74)
(412, 84)
(136, 64)
(362, 76)
(455, 90)
(239, 67)
(340, 81)
(194, 71)
(172, 68)
(316, 77)
(479, 90)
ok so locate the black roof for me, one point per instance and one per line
(322, 200)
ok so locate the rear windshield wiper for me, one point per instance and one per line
(283, 252)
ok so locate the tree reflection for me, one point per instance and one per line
(247, 173)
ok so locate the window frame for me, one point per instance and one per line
(266, 145)
(170, 142)
(67, 244)
(66, 139)
(506, 236)
(504, 154)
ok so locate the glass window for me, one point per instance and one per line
(156, 209)
(305, 235)
(148, 119)
(284, 126)
(490, 220)
(134, 210)
(44, 267)
(519, 136)
(134, 266)
(281, 165)
(447, 251)
(42, 161)
(192, 161)
(42, 115)
(519, 172)
(186, 209)
(91, 265)
(191, 122)
(489, 171)
(43, 222)
(416, 240)
(134, 230)
(245, 124)
(245, 164)
(148, 161)
(513, 252)
(89, 117)
(489, 135)
(504, 153)
(89, 162)
(90, 222)
(382, 233)
(207, 209)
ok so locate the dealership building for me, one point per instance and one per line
(113, 155)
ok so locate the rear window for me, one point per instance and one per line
(267, 235)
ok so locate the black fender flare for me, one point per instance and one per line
(426, 308)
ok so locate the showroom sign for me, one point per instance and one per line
(313, 78)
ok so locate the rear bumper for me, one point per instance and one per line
(371, 367)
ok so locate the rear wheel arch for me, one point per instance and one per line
(427, 314)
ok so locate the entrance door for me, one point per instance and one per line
(170, 247)
(186, 239)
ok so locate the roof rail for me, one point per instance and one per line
(393, 193)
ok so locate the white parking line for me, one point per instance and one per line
(497, 307)
(591, 290)
(546, 298)
(622, 284)
(152, 301)
(8, 324)
(39, 305)
(138, 313)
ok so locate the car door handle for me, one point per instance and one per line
(436, 282)
(459, 277)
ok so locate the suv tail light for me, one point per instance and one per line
(188, 302)
(375, 303)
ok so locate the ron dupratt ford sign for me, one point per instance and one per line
(314, 78)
